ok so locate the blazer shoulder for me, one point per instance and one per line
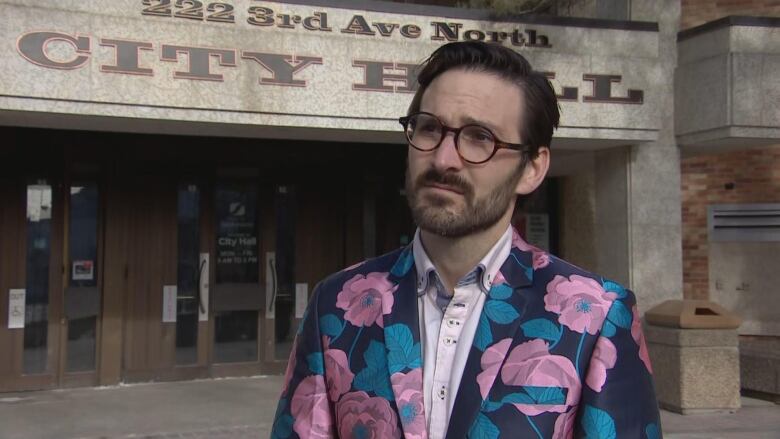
(563, 268)
(329, 287)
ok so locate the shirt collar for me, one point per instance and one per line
(486, 269)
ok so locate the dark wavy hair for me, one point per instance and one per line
(540, 113)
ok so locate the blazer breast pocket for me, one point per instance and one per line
(533, 400)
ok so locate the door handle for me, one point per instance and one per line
(272, 266)
(200, 293)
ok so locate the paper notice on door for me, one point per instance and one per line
(83, 270)
(301, 298)
(16, 308)
(169, 304)
(203, 311)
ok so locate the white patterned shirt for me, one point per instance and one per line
(448, 323)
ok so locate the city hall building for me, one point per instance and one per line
(177, 176)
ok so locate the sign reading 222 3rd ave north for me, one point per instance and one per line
(281, 69)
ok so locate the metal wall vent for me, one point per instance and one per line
(744, 222)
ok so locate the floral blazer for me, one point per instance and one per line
(558, 353)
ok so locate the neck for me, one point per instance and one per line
(454, 257)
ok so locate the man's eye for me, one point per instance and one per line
(480, 135)
(428, 127)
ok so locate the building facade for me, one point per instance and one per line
(178, 176)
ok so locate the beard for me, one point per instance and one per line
(437, 214)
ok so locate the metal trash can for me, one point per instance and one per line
(694, 350)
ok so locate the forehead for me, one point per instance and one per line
(460, 96)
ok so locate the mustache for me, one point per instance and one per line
(446, 179)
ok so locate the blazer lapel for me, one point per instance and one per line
(404, 352)
(499, 321)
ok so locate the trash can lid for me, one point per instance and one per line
(692, 314)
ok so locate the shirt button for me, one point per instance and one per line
(453, 323)
(442, 392)
(449, 341)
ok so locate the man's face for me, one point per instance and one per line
(451, 197)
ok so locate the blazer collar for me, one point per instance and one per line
(404, 351)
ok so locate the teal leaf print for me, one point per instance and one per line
(283, 425)
(609, 329)
(652, 431)
(500, 312)
(500, 292)
(491, 406)
(303, 320)
(374, 377)
(484, 336)
(316, 365)
(382, 385)
(483, 428)
(403, 264)
(375, 356)
(541, 328)
(372, 380)
(331, 325)
(364, 380)
(517, 398)
(620, 315)
(403, 352)
(598, 424)
(613, 287)
(546, 395)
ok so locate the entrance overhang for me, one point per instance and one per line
(727, 90)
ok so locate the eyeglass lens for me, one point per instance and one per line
(474, 143)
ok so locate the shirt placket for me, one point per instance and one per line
(455, 315)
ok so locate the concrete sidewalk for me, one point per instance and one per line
(244, 408)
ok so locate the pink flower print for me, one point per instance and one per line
(499, 279)
(290, 366)
(540, 257)
(564, 425)
(366, 298)
(407, 388)
(337, 373)
(491, 362)
(361, 416)
(604, 357)
(531, 364)
(639, 338)
(581, 302)
(310, 410)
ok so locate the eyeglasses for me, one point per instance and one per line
(474, 143)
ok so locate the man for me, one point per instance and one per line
(469, 331)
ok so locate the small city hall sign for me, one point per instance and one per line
(130, 57)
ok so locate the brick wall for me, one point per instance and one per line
(696, 12)
(755, 175)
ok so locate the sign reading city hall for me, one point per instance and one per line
(285, 69)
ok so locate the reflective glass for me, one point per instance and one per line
(188, 274)
(82, 254)
(235, 336)
(237, 258)
(36, 319)
(284, 296)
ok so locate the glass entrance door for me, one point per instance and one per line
(237, 298)
(284, 293)
(82, 296)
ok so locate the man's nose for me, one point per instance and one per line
(446, 155)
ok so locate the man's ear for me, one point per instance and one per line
(534, 172)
